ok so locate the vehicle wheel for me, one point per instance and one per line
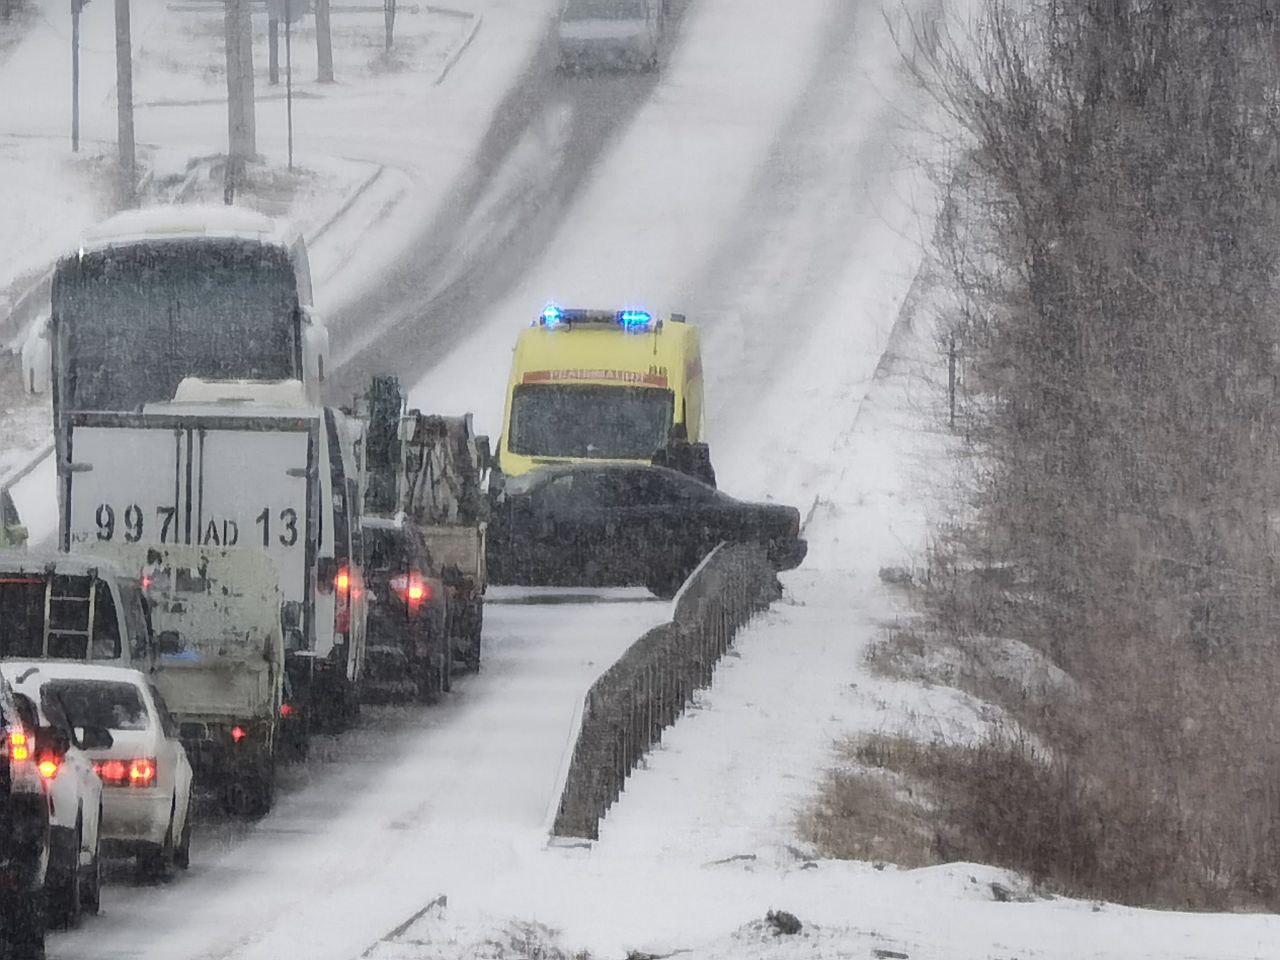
(22, 925)
(446, 674)
(429, 681)
(91, 879)
(64, 891)
(252, 793)
(182, 853)
(156, 863)
(295, 737)
(475, 630)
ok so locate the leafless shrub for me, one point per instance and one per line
(863, 814)
(1110, 231)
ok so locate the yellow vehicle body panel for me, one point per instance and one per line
(667, 358)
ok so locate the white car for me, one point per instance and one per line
(74, 879)
(611, 33)
(146, 777)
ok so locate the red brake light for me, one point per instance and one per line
(142, 772)
(286, 709)
(342, 580)
(19, 745)
(238, 734)
(48, 768)
(111, 771)
(411, 587)
(138, 772)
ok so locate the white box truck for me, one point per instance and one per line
(239, 466)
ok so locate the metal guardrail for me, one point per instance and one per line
(629, 706)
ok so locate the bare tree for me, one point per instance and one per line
(1112, 228)
(324, 43)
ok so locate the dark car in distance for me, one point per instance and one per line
(602, 525)
(408, 653)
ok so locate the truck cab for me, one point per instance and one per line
(600, 385)
(72, 607)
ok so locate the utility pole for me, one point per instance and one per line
(124, 107)
(76, 7)
(389, 20)
(324, 42)
(273, 47)
(288, 84)
(241, 132)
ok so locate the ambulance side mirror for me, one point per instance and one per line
(37, 359)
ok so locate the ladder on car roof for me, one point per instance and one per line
(68, 617)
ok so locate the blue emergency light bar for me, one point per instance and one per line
(631, 321)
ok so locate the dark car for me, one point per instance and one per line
(24, 830)
(622, 524)
(408, 650)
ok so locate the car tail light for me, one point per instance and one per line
(238, 733)
(48, 767)
(138, 772)
(286, 709)
(20, 745)
(411, 588)
(342, 586)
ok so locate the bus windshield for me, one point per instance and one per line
(595, 422)
(134, 320)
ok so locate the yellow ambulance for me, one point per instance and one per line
(600, 385)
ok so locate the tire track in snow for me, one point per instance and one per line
(824, 200)
(537, 156)
(414, 804)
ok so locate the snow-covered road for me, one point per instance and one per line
(766, 184)
(412, 803)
